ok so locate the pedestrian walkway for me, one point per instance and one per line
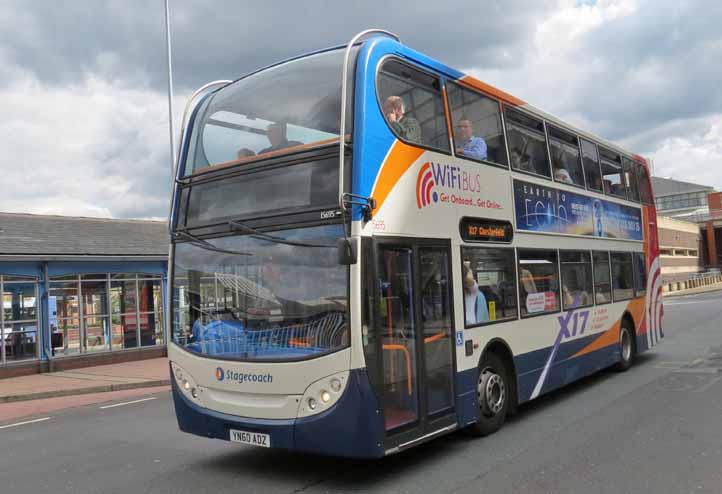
(114, 377)
(691, 291)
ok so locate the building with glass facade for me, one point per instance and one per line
(680, 199)
(79, 291)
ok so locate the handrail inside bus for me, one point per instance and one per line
(193, 101)
(344, 89)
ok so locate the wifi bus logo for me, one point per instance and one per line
(424, 185)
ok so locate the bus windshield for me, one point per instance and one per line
(257, 298)
(289, 107)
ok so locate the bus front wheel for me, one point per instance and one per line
(493, 395)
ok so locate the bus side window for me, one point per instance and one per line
(488, 280)
(640, 275)
(576, 270)
(590, 159)
(478, 133)
(645, 187)
(566, 163)
(622, 276)
(602, 283)
(612, 176)
(538, 281)
(411, 102)
(630, 178)
(527, 143)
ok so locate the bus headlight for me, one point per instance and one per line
(186, 384)
(322, 394)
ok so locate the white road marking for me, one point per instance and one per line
(687, 302)
(127, 403)
(24, 423)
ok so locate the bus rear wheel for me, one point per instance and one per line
(626, 347)
(493, 395)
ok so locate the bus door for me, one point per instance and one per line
(414, 337)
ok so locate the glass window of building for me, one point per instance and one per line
(412, 104)
(566, 164)
(489, 284)
(478, 133)
(612, 178)
(538, 281)
(622, 276)
(602, 281)
(101, 312)
(576, 270)
(630, 178)
(527, 143)
(18, 318)
(590, 159)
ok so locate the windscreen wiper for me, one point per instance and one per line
(203, 244)
(277, 240)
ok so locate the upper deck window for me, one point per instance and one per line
(478, 133)
(527, 143)
(411, 102)
(612, 178)
(645, 187)
(630, 178)
(289, 107)
(564, 148)
(590, 159)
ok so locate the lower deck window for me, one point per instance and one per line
(538, 282)
(488, 284)
(622, 276)
(576, 270)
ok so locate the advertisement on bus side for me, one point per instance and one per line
(544, 209)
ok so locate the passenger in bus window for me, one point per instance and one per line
(561, 174)
(405, 126)
(475, 308)
(519, 160)
(276, 134)
(244, 153)
(467, 143)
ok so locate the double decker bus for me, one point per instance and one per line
(371, 249)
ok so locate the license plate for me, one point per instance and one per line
(252, 438)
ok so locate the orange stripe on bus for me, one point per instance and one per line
(400, 159)
(611, 336)
(491, 90)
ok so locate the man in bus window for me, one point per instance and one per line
(475, 307)
(405, 126)
(276, 134)
(467, 143)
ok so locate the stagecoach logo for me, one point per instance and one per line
(220, 375)
(449, 184)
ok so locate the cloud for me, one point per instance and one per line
(84, 84)
(96, 148)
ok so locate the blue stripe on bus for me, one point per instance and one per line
(351, 428)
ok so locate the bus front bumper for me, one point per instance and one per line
(351, 428)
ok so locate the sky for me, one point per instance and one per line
(83, 84)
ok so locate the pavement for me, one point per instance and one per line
(151, 373)
(693, 291)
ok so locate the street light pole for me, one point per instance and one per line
(170, 91)
(166, 307)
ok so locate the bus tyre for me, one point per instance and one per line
(492, 393)
(626, 347)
